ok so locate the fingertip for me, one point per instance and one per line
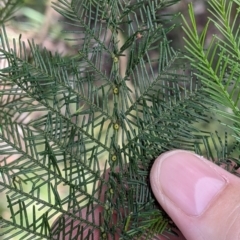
(199, 196)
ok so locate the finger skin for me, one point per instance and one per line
(220, 220)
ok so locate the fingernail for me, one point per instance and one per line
(188, 181)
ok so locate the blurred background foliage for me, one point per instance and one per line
(39, 21)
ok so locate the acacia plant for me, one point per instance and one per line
(79, 133)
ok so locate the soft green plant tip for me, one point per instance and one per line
(79, 110)
(128, 222)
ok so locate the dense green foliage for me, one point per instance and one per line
(78, 134)
(218, 66)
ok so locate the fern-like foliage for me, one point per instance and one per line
(221, 78)
(97, 122)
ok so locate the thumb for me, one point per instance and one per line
(201, 198)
